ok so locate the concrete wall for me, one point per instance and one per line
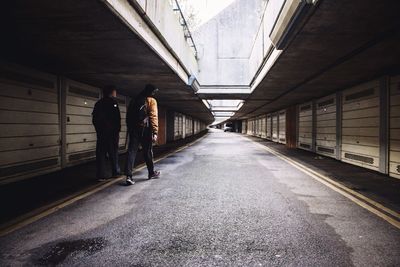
(165, 36)
(226, 41)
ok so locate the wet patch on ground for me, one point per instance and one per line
(56, 254)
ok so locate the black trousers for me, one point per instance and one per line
(145, 139)
(107, 144)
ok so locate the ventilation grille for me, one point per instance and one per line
(83, 92)
(122, 147)
(304, 108)
(326, 103)
(80, 156)
(360, 94)
(7, 171)
(282, 139)
(305, 145)
(282, 113)
(359, 158)
(19, 77)
(326, 150)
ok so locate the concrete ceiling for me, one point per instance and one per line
(85, 41)
(340, 44)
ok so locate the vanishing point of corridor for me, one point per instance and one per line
(223, 201)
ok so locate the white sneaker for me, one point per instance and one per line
(129, 180)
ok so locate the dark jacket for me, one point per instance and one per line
(106, 116)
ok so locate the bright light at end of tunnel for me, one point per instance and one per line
(223, 114)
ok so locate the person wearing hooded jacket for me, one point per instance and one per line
(142, 124)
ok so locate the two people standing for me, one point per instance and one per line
(142, 124)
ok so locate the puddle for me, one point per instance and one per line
(58, 253)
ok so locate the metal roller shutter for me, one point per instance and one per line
(178, 126)
(189, 126)
(250, 127)
(30, 124)
(394, 146)
(305, 120)
(259, 126)
(123, 104)
(244, 127)
(196, 127)
(282, 127)
(184, 126)
(275, 127)
(80, 132)
(269, 127)
(326, 126)
(264, 127)
(360, 125)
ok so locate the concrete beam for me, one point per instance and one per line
(137, 24)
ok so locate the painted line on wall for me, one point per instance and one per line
(47, 210)
(376, 208)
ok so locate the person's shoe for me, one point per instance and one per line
(129, 180)
(155, 175)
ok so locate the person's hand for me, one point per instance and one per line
(155, 138)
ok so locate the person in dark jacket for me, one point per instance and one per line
(142, 124)
(107, 122)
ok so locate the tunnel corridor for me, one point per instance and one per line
(275, 125)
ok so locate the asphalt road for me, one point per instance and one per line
(221, 202)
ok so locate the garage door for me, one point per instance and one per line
(394, 155)
(244, 127)
(123, 104)
(80, 132)
(360, 125)
(305, 120)
(29, 118)
(275, 136)
(264, 127)
(250, 127)
(326, 126)
(282, 127)
(259, 126)
(189, 126)
(178, 126)
(269, 127)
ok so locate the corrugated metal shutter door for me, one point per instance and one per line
(269, 127)
(244, 127)
(189, 124)
(80, 132)
(123, 104)
(275, 136)
(394, 154)
(196, 127)
(257, 128)
(264, 127)
(177, 126)
(326, 126)
(282, 127)
(30, 129)
(360, 127)
(305, 126)
(249, 127)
